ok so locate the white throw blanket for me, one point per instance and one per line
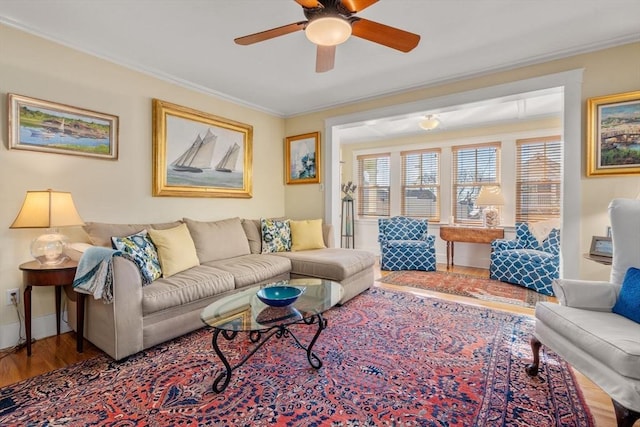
(94, 274)
(541, 229)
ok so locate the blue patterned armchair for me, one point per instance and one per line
(405, 244)
(525, 261)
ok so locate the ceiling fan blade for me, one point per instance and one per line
(309, 4)
(357, 5)
(394, 38)
(269, 34)
(325, 58)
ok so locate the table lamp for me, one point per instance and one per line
(48, 209)
(490, 196)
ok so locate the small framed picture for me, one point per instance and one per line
(302, 159)
(601, 246)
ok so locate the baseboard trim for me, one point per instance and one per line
(41, 327)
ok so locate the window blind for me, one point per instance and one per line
(421, 184)
(538, 178)
(474, 166)
(373, 185)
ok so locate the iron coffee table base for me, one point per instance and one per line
(261, 337)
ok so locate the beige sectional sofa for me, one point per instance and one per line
(230, 258)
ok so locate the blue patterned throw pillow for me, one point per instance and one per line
(276, 235)
(628, 303)
(143, 252)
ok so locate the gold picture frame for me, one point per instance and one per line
(196, 154)
(613, 134)
(302, 159)
(39, 125)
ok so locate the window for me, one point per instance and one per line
(373, 185)
(539, 178)
(474, 166)
(421, 184)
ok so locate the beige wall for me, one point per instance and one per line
(306, 201)
(608, 71)
(104, 190)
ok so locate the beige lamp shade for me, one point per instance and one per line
(47, 209)
(490, 196)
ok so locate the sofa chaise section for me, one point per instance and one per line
(353, 269)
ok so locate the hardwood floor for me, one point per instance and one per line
(60, 351)
(46, 355)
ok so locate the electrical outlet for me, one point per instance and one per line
(15, 291)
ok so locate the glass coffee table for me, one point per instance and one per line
(242, 311)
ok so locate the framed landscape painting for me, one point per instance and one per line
(613, 134)
(38, 125)
(196, 154)
(302, 158)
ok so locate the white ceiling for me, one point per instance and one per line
(521, 107)
(190, 42)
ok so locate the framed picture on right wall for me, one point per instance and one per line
(613, 134)
(302, 159)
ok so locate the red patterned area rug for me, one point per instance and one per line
(390, 358)
(465, 285)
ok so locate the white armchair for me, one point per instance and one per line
(582, 329)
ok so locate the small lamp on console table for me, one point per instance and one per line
(48, 209)
(490, 196)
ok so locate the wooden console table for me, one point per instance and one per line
(467, 235)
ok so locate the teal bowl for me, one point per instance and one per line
(279, 296)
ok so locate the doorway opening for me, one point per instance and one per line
(568, 83)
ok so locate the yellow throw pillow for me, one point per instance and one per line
(306, 235)
(176, 249)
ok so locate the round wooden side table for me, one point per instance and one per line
(36, 274)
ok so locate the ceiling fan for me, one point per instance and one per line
(331, 22)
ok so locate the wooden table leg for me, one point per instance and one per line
(448, 254)
(80, 321)
(451, 254)
(27, 316)
(58, 304)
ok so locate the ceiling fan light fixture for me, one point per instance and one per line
(430, 122)
(328, 31)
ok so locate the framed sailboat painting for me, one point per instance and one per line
(196, 154)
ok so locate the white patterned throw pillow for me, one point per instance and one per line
(276, 235)
(143, 252)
